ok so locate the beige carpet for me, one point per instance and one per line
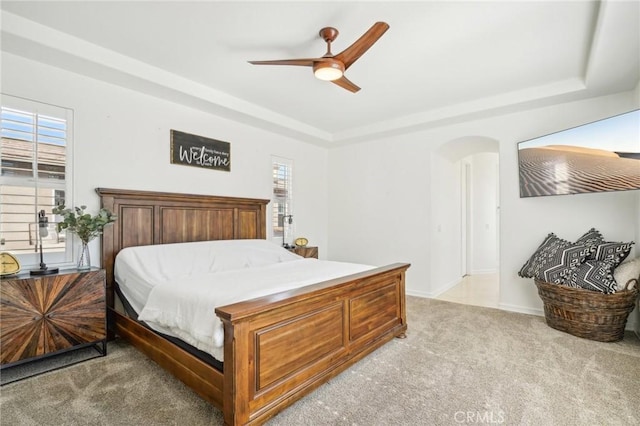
(459, 365)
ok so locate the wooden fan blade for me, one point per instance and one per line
(345, 83)
(306, 62)
(357, 49)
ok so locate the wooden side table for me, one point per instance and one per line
(306, 251)
(41, 316)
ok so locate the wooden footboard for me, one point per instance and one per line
(278, 348)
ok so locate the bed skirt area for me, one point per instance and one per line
(125, 308)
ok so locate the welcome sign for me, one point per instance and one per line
(198, 151)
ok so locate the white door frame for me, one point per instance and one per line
(465, 216)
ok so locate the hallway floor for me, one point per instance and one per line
(478, 290)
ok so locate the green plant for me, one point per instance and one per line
(85, 226)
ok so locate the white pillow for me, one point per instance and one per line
(626, 271)
(169, 261)
(237, 254)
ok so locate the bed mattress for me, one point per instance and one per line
(175, 288)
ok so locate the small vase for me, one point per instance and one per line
(84, 260)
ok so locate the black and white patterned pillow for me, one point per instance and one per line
(531, 266)
(595, 275)
(554, 260)
(592, 239)
(608, 251)
(612, 252)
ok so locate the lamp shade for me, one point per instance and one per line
(328, 70)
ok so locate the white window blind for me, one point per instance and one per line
(34, 176)
(282, 201)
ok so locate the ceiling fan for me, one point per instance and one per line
(331, 67)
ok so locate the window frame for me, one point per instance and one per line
(277, 215)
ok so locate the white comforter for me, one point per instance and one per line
(185, 307)
(139, 269)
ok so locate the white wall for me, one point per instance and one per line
(446, 223)
(121, 140)
(379, 205)
(484, 203)
(382, 197)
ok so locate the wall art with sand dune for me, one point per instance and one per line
(600, 156)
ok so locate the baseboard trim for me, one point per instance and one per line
(422, 294)
(521, 309)
(448, 286)
(484, 272)
(433, 294)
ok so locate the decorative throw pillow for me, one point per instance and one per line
(554, 259)
(531, 266)
(612, 252)
(604, 250)
(592, 239)
(626, 271)
(593, 275)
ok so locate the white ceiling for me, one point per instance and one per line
(440, 62)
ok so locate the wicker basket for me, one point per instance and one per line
(586, 313)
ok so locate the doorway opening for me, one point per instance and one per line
(476, 161)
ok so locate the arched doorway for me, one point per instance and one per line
(468, 205)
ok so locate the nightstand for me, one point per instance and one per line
(41, 316)
(306, 251)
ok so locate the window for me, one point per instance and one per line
(35, 176)
(282, 202)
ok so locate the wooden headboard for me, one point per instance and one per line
(146, 218)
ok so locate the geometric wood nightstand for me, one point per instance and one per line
(46, 315)
(309, 252)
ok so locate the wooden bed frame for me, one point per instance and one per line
(277, 348)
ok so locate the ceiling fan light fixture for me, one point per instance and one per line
(330, 67)
(328, 70)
